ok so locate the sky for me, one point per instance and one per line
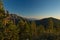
(34, 8)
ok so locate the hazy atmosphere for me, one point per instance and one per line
(34, 8)
(29, 19)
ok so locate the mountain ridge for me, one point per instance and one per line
(14, 27)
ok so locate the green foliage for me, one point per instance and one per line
(11, 32)
(41, 29)
(50, 25)
(1, 5)
(10, 29)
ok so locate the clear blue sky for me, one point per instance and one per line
(34, 8)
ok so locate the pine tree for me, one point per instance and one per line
(21, 26)
(33, 30)
(50, 26)
(41, 30)
(27, 31)
(11, 31)
(2, 11)
(1, 5)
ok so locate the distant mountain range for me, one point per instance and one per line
(43, 21)
(30, 28)
(14, 27)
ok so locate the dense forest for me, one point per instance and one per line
(14, 27)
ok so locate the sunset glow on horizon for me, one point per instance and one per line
(34, 8)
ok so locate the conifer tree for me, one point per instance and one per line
(1, 6)
(33, 29)
(50, 26)
(41, 30)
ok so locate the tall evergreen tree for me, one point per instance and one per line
(33, 29)
(50, 25)
(1, 6)
(11, 32)
(41, 30)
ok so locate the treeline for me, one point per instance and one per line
(13, 27)
(16, 28)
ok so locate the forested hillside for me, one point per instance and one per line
(14, 27)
